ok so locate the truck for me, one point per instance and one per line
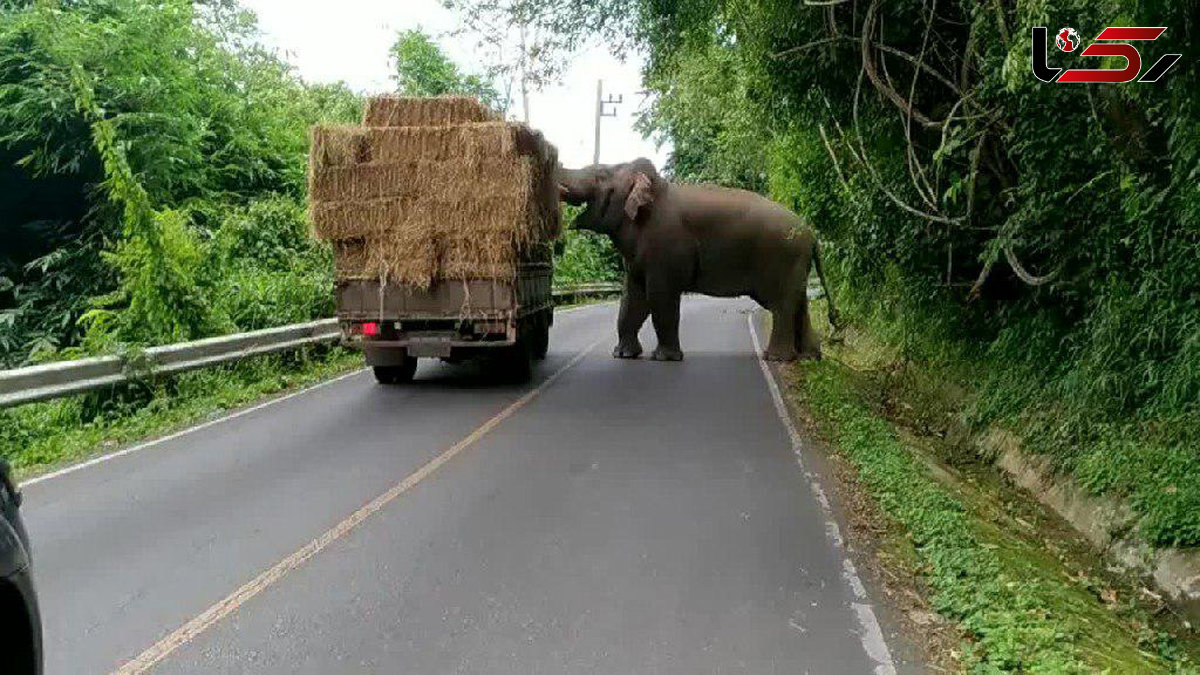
(504, 322)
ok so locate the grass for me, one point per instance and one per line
(1149, 459)
(40, 436)
(1022, 602)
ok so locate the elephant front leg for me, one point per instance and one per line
(634, 309)
(664, 312)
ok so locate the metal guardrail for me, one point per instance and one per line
(583, 290)
(65, 378)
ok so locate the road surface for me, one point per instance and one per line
(609, 517)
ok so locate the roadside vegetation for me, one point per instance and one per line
(582, 257)
(152, 177)
(1024, 596)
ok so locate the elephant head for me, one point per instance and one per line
(615, 194)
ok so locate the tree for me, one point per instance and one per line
(422, 69)
(540, 33)
(131, 132)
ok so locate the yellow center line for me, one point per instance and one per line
(230, 604)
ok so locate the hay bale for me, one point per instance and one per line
(407, 111)
(350, 259)
(338, 221)
(445, 181)
(412, 204)
(409, 256)
(350, 145)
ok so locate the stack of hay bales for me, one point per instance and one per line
(429, 189)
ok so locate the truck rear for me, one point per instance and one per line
(505, 323)
(441, 217)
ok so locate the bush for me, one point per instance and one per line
(586, 257)
(270, 270)
(130, 132)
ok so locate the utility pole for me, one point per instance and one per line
(524, 65)
(602, 112)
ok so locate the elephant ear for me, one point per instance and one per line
(640, 195)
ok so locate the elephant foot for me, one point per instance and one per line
(811, 355)
(667, 354)
(779, 355)
(624, 351)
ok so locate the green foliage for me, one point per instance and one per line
(157, 258)
(130, 133)
(704, 110)
(584, 257)
(267, 269)
(422, 69)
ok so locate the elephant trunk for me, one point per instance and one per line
(575, 186)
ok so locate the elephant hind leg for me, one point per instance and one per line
(784, 313)
(781, 347)
(807, 342)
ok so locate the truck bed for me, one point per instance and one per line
(448, 300)
(449, 320)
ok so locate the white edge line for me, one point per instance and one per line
(224, 418)
(872, 635)
(184, 432)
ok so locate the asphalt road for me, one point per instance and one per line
(617, 517)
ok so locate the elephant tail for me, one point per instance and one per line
(834, 320)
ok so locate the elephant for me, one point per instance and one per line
(677, 238)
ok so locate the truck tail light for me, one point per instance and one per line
(370, 329)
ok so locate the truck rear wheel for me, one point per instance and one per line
(541, 339)
(401, 374)
(516, 363)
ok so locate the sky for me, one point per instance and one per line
(349, 41)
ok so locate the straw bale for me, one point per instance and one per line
(415, 240)
(336, 221)
(350, 259)
(447, 180)
(350, 145)
(337, 145)
(412, 204)
(409, 256)
(405, 111)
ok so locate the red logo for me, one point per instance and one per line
(1068, 40)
